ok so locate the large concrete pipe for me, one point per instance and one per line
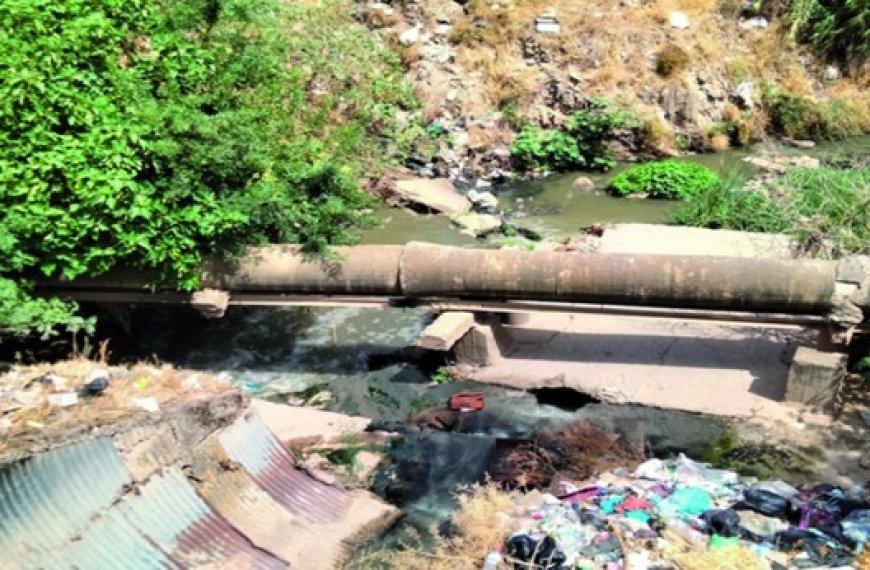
(425, 271)
(360, 270)
(677, 281)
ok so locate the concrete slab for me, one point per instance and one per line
(717, 368)
(444, 331)
(293, 423)
(677, 240)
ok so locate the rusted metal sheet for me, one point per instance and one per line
(168, 511)
(250, 443)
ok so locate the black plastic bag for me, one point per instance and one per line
(544, 553)
(723, 522)
(765, 502)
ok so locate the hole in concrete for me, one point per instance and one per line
(563, 398)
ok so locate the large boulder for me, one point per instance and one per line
(434, 194)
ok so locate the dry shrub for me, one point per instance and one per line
(503, 83)
(719, 141)
(661, 10)
(671, 60)
(579, 451)
(380, 19)
(730, 113)
(659, 135)
(481, 525)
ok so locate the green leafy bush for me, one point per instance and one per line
(149, 134)
(839, 29)
(826, 209)
(581, 144)
(801, 117)
(670, 179)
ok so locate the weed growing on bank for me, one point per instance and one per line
(826, 209)
(582, 144)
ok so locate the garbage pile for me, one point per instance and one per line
(684, 514)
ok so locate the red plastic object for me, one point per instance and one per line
(466, 401)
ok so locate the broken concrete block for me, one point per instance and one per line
(448, 328)
(815, 377)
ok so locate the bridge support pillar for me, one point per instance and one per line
(482, 345)
(815, 377)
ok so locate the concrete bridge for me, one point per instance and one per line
(832, 297)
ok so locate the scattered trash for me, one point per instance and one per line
(62, 399)
(683, 514)
(148, 404)
(679, 20)
(95, 387)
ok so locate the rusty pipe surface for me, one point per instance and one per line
(421, 270)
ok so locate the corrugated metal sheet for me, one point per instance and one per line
(74, 508)
(49, 498)
(169, 512)
(249, 442)
(111, 541)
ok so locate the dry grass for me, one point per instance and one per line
(718, 142)
(729, 558)
(482, 523)
(23, 398)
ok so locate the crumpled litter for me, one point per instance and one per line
(668, 507)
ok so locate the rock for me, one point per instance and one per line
(743, 95)
(799, 143)
(487, 199)
(148, 404)
(411, 35)
(583, 183)
(437, 194)
(831, 73)
(766, 164)
(477, 224)
(678, 105)
(804, 162)
(679, 20)
(62, 399)
(756, 23)
(319, 399)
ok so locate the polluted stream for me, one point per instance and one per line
(356, 356)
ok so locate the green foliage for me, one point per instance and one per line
(442, 376)
(581, 144)
(669, 179)
(800, 117)
(149, 134)
(839, 29)
(826, 209)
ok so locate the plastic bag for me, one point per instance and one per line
(688, 501)
(543, 553)
(722, 522)
(765, 502)
(856, 525)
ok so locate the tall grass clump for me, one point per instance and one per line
(827, 210)
(838, 29)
